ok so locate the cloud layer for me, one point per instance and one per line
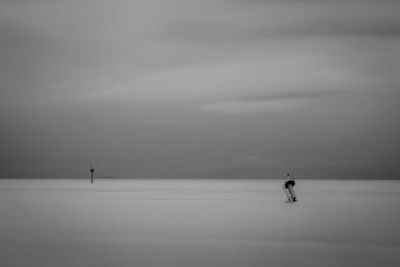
(200, 88)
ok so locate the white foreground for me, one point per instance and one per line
(198, 223)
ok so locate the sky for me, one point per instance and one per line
(200, 89)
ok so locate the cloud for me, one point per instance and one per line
(155, 122)
(275, 102)
(292, 95)
(279, 74)
(241, 22)
(183, 50)
(253, 107)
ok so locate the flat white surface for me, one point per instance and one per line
(198, 223)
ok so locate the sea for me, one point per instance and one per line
(195, 222)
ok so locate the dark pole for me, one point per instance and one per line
(91, 174)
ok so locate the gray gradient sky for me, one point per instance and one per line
(210, 88)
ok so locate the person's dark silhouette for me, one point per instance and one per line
(288, 186)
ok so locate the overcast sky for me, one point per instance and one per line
(206, 88)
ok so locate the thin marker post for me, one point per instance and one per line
(91, 174)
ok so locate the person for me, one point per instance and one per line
(288, 188)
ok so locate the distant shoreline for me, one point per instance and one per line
(180, 178)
